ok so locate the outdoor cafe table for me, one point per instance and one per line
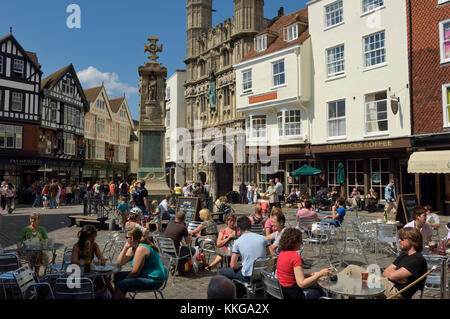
(350, 286)
(225, 253)
(51, 247)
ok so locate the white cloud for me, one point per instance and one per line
(91, 77)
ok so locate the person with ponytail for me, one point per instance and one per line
(86, 246)
(147, 269)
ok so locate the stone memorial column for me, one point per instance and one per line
(152, 87)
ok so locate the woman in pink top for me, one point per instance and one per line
(307, 212)
(225, 236)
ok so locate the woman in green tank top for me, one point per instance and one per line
(147, 272)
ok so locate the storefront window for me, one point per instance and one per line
(332, 173)
(379, 175)
(355, 175)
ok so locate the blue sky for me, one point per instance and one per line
(109, 45)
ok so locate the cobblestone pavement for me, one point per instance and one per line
(191, 286)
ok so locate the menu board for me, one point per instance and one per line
(406, 203)
(191, 206)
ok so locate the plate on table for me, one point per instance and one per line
(105, 268)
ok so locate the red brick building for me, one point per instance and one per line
(429, 58)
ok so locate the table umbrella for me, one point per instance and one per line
(306, 170)
(340, 175)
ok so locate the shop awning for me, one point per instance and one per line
(431, 162)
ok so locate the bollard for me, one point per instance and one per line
(85, 206)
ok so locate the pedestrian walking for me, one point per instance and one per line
(391, 198)
(10, 196)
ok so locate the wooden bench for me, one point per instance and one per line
(74, 218)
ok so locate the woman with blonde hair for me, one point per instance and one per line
(147, 271)
(208, 228)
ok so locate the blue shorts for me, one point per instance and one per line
(135, 284)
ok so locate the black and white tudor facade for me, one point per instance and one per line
(64, 106)
(20, 80)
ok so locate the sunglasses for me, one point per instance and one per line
(128, 237)
(402, 239)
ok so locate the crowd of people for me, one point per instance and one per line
(236, 240)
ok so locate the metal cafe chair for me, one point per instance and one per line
(83, 290)
(167, 250)
(67, 260)
(8, 264)
(27, 282)
(167, 262)
(255, 284)
(257, 229)
(272, 286)
(386, 233)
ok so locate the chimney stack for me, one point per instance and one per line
(281, 12)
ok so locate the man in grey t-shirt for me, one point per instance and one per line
(249, 246)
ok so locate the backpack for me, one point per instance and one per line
(137, 196)
(124, 188)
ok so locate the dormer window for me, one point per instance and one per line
(18, 68)
(261, 43)
(291, 32)
(122, 113)
(101, 104)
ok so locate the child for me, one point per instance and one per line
(123, 211)
(156, 215)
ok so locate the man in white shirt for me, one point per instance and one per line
(250, 193)
(419, 216)
(279, 187)
(166, 210)
(432, 218)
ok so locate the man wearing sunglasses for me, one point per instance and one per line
(409, 265)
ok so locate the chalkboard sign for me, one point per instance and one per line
(191, 206)
(406, 203)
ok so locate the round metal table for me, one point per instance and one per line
(350, 286)
(31, 250)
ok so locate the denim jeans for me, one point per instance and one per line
(135, 284)
(37, 200)
(52, 202)
(250, 197)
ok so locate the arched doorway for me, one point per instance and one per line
(224, 174)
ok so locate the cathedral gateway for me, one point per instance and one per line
(210, 91)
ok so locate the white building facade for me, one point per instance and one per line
(274, 91)
(361, 91)
(175, 119)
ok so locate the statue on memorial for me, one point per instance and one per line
(212, 91)
(152, 86)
